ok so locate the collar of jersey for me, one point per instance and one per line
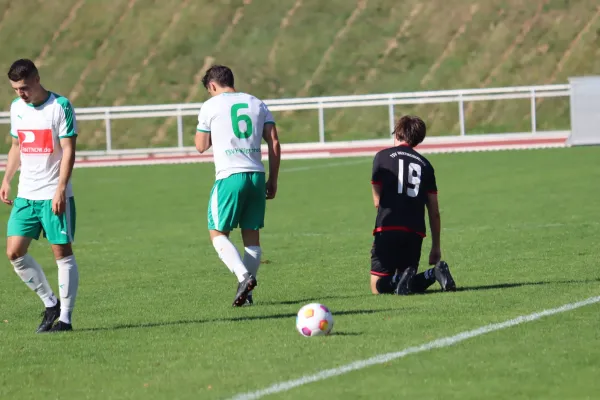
(42, 103)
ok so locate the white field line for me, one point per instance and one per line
(367, 232)
(436, 344)
(291, 169)
(321, 151)
(334, 164)
(509, 227)
(520, 226)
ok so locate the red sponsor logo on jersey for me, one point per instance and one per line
(36, 141)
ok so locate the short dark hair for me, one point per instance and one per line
(410, 129)
(220, 74)
(22, 69)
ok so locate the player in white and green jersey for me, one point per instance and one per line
(44, 131)
(235, 123)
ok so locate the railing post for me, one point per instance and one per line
(108, 130)
(321, 124)
(391, 115)
(179, 128)
(461, 114)
(533, 113)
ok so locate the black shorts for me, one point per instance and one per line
(395, 250)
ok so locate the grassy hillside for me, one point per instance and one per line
(123, 52)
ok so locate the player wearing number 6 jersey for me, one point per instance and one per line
(403, 185)
(234, 124)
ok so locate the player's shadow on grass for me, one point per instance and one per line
(522, 284)
(334, 333)
(233, 319)
(315, 299)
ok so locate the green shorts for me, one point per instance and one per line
(238, 200)
(29, 218)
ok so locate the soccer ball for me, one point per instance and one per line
(314, 320)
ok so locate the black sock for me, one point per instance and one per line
(422, 281)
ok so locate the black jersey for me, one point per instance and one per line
(406, 178)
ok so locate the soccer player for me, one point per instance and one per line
(403, 184)
(44, 131)
(234, 123)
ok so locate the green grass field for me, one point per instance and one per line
(154, 317)
(126, 52)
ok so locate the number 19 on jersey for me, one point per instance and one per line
(413, 178)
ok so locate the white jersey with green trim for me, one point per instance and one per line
(235, 124)
(39, 130)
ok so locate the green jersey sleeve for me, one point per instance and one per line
(67, 125)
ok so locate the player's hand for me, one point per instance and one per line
(5, 193)
(435, 255)
(271, 189)
(59, 202)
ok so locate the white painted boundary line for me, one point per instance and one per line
(436, 344)
(360, 148)
(328, 165)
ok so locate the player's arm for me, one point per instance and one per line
(13, 162)
(435, 225)
(377, 186)
(203, 140)
(12, 165)
(433, 210)
(272, 139)
(68, 145)
(67, 134)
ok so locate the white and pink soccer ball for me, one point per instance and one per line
(314, 320)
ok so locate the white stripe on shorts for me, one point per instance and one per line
(69, 223)
(214, 207)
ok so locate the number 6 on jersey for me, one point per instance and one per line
(236, 119)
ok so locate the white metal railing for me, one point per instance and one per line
(107, 114)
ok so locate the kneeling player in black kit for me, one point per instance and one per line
(403, 184)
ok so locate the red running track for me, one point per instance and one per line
(347, 150)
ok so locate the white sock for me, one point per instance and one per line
(68, 282)
(252, 259)
(230, 256)
(31, 273)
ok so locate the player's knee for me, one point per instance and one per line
(383, 285)
(213, 233)
(14, 253)
(251, 237)
(62, 251)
